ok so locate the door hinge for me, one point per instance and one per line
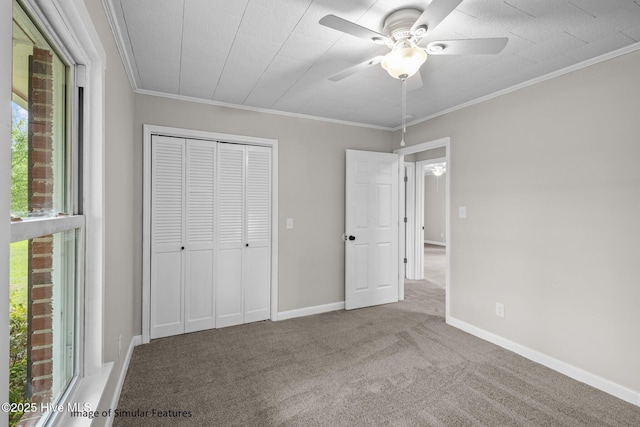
(406, 179)
(405, 219)
(405, 260)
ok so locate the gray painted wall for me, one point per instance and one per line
(122, 220)
(311, 186)
(550, 178)
(435, 153)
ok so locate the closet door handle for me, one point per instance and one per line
(247, 245)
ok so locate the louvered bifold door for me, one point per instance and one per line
(230, 219)
(200, 192)
(167, 237)
(257, 256)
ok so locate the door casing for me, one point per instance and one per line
(430, 145)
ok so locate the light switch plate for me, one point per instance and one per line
(462, 212)
(289, 223)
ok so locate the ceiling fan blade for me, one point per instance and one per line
(467, 47)
(434, 14)
(356, 68)
(414, 82)
(354, 29)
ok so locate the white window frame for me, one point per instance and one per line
(68, 25)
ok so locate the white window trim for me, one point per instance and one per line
(6, 38)
(71, 29)
(32, 228)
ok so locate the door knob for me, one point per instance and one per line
(352, 237)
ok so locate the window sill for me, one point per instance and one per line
(86, 397)
(34, 227)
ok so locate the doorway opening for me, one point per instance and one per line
(426, 237)
(430, 202)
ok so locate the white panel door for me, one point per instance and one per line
(230, 220)
(200, 191)
(167, 244)
(371, 253)
(257, 256)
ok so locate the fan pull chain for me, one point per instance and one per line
(404, 111)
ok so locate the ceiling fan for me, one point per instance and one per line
(403, 31)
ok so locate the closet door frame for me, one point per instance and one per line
(148, 131)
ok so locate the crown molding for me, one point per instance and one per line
(118, 35)
(579, 66)
(257, 109)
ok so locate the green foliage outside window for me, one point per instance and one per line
(19, 159)
(18, 359)
(18, 312)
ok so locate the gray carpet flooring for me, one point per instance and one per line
(391, 365)
(435, 264)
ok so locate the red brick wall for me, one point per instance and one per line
(40, 171)
(40, 132)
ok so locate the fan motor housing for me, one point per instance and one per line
(398, 24)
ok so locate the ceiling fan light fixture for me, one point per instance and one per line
(435, 47)
(438, 171)
(402, 63)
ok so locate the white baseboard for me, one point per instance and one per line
(433, 242)
(603, 384)
(136, 340)
(308, 311)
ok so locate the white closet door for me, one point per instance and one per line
(230, 226)
(199, 290)
(167, 224)
(257, 260)
(243, 269)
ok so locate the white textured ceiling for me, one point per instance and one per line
(273, 54)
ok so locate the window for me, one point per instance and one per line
(41, 144)
(46, 232)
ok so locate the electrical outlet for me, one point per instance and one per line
(499, 309)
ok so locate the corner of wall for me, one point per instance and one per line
(111, 396)
(578, 374)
